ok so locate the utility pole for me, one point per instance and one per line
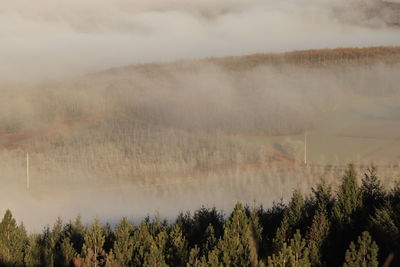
(305, 148)
(27, 170)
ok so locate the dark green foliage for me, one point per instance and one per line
(68, 252)
(372, 190)
(294, 255)
(13, 240)
(93, 254)
(148, 249)
(32, 252)
(364, 254)
(349, 198)
(293, 219)
(322, 196)
(236, 246)
(317, 237)
(384, 231)
(177, 250)
(248, 237)
(123, 244)
(346, 215)
(194, 227)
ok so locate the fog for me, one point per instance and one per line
(47, 39)
(168, 138)
(173, 137)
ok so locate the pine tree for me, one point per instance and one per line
(385, 231)
(235, 246)
(194, 258)
(13, 240)
(209, 241)
(323, 196)
(349, 198)
(68, 252)
(148, 249)
(294, 255)
(317, 236)
(281, 236)
(46, 243)
(176, 247)
(364, 254)
(50, 242)
(281, 258)
(93, 254)
(155, 256)
(111, 261)
(32, 252)
(256, 232)
(291, 220)
(109, 237)
(295, 209)
(123, 245)
(213, 258)
(372, 190)
(300, 253)
(76, 232)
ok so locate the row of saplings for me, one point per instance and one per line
(358, 225)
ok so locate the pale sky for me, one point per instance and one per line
(47, 39)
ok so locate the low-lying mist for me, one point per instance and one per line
(172, 137)
(46, 39)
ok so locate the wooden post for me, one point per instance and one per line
(27, 170)
(305, 148)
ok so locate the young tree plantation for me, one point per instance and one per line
(352, 225)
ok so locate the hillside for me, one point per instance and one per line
(202, 129)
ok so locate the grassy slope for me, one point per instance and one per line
(116, 141)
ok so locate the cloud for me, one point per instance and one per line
(48, 39)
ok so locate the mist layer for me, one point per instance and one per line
(51, 39)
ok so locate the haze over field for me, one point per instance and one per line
(172, 137)
(108, 137)
(47, 39)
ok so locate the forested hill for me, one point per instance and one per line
(305, 58)
(353, 225)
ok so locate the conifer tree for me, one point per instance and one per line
(32, 252)
(281, 258)
(213, 258)
(385, 231)
(109, 237)
(294, 255)
(322, 195)
(123, 245)
(176, 247)
(295, 208)
(46, 243)
(209, 241)
(281, 236)
(13, 240)
(148, 249)
(93, 254)
(317, 236)
(364, 254)
(372, 190)
(76, 232)
(194, 258)
(291, 220)
(349, 197)
(111, 261)
(235, 246)
(50, 243)
(256, 232)
(300, 252)
(68, 252)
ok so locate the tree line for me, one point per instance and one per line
(353, 225)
